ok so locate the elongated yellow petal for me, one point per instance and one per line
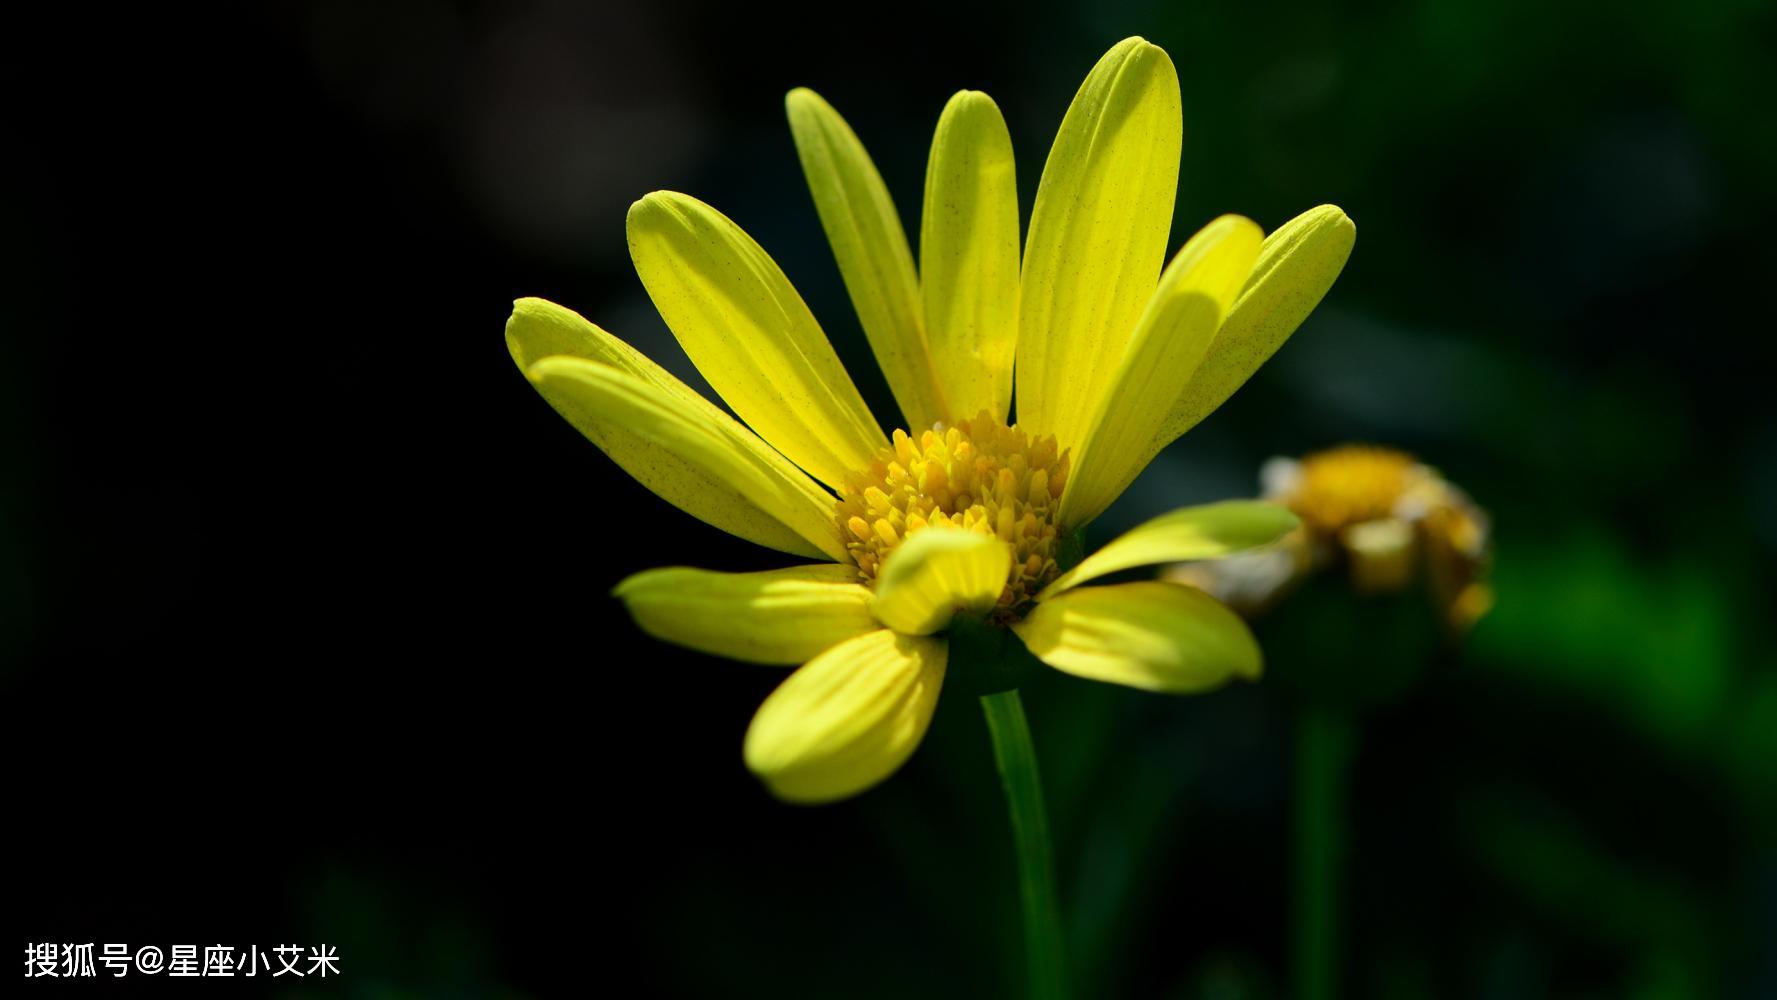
(1299, 263)
(1210, 531)
(539, 329)
(871, 248)
(696, 458)
(848, 718)
(749, 332)
(780, 616)
(1097, 237)
(1169, 342)
(937, 572)
(1154, 636)
(968, 257)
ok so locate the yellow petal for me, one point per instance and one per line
(937, 572)
(751, 335)
(1168, 344)
(1381, 555)
(1298, 264)
(848, 718)
(871, 248)
(695, 457)
(1097, 237)
(539, 329)
(1210, 531)
(780, 616)
(1150, 635)
(968, 256)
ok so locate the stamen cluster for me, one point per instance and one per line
(978, 475)
(1350, 485)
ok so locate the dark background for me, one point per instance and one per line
(303, 603)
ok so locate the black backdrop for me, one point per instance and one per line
(314, 587)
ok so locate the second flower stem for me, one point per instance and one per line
(1323, 755)
(1017, 761)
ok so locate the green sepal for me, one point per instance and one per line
(1337, 650)
(985, 657)
(1072, 550)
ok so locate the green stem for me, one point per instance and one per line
(1017, 761)
(1323, 753)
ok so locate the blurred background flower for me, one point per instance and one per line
(1375, 515)
(274, 613)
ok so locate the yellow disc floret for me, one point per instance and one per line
(1349, 485)
(978, 475)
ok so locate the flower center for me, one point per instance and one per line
(978, 475)
(1350, 485)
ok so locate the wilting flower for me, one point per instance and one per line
(963, 515)
(1377, 515)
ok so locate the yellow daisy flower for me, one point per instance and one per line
(960, 521)
(1380, 515)
(1390, 516)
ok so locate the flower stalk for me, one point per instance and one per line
(1318, 834)
(1016, 758)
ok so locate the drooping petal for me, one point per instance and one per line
(696, 458)
(1169, 342)
(871, 248)
(1299, 263)
(848, 718)
(1381, 555)
(538, 328)
(751, 335)
(782, 616)
(968, 257)
(1150, 635)
(1097, 237)
(937, 572)
(1209, 531)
